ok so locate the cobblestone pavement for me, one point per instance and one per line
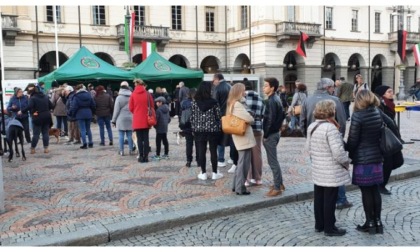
(80, 197)
(293, 225)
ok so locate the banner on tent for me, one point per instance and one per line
(9, 85)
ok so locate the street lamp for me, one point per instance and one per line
(399, 10)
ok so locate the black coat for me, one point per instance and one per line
(396, 160)
(220, 94)
(387, 110)
(40, 109)
(273, 115)
(364, 135)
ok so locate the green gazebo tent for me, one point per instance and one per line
(157, 71)
(84, 66)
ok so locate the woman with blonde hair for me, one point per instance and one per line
(329, 166)
(244, 144)
(364, 150)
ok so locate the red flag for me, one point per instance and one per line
(402, 43)
(300, 49)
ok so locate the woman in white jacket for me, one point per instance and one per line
(329, 166)
(235, 106)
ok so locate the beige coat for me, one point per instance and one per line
(246, 141)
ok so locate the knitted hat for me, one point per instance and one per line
(160, 99)
(381, 90)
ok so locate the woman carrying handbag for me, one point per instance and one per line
(387, 106)
(243, 143)
(294, 110)
(365, 152)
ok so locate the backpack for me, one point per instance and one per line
(185, 122)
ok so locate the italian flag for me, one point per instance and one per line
(129, 33)
(147, 48)
(416, 52)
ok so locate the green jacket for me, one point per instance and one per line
(345, 92)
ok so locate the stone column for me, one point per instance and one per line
(2, 210)
(388, 77)
(341, 71)
(409, 78)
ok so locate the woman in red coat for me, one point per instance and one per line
(138, 105)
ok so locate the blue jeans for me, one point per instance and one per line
(62, 120)
(84, 126)
(341, 199)
(104, 121)
(129, 134)
(294, 122)
(38, 129)
(220, 153)
(346, 106)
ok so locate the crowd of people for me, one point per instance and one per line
(322, 118)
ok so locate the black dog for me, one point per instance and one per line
(14, 133)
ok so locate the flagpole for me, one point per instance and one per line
(57, 62)
(1, 55)
(2, 117)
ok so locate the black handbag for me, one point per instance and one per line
(389, 143)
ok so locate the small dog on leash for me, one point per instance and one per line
(134, 137)
(54, 132)
(179, 135)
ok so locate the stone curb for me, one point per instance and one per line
(100, 233)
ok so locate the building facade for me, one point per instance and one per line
(343, 40)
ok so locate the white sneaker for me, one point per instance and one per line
(232, 169)
(253, 181)
(221, 164)
(216, 176)
(230, 161)
(202, 176)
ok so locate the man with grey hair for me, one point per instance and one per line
(183, 92)
(325, 90)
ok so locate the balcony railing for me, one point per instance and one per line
(146, 32)
(293, 28)
(9, 22)
(412, 37)
(158, 34)
(10, 29)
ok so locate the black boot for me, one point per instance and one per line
(140, 159)
(369, 226)
(188, 164)
(379, 226)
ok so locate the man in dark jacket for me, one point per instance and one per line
(324, 92)
(104, 109)
(272, 120)
(220, 94)
(73, 125)
(40, 108)
(183, 93)
(17, 103)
